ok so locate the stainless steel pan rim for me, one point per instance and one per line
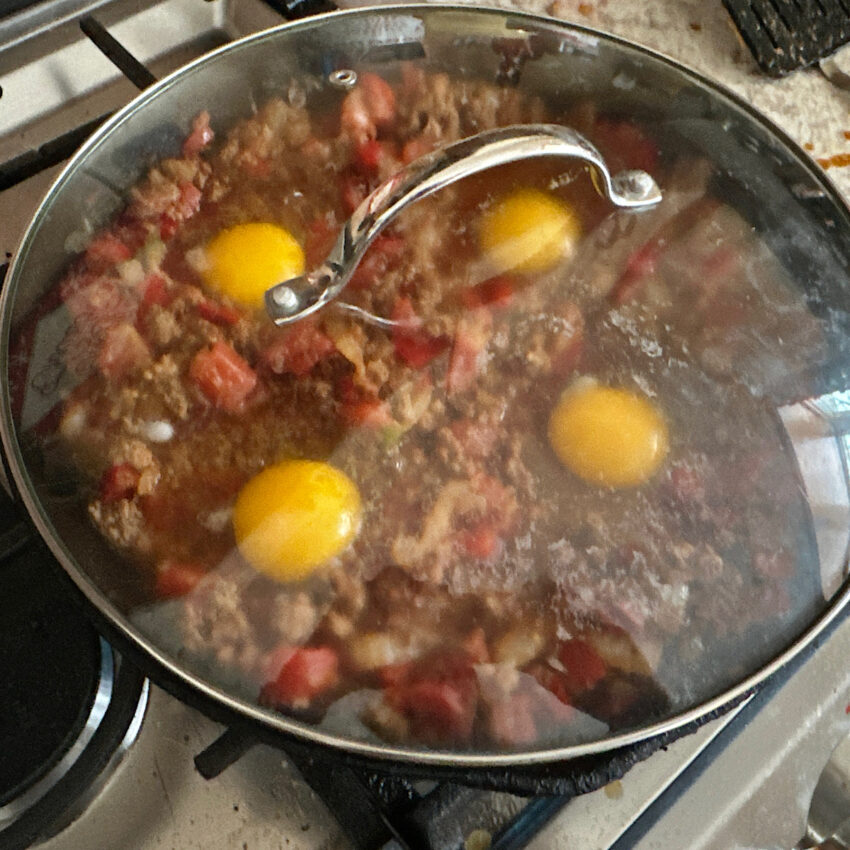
(269, 719)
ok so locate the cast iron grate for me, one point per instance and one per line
(784, 35)
(56, 739)
(60, 148)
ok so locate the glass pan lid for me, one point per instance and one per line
(590, 478)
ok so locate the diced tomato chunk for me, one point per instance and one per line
(307, 673)
(495, 292)
(123, 351)
(371, 412)
(177, 578)
(223, 376)
(482, 541)
(107, 250)
(200, 136)
(418, 348)
(167, 227)
(583, 667)
(155, 291)
(298, 349)
(438, 695)
(439, 710)
(218, 314)
(119, 482)
(372, 156)
(413, 345)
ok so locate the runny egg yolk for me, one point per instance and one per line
(608, 436)
(246, 260)
(293, 516)
(528, 231)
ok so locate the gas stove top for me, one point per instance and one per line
(743, 779)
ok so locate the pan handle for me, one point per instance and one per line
(297, 298)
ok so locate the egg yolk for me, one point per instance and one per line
(528, 231)
(293, 516)
(246, 260)
(608, 436)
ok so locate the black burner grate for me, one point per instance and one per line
(9, 7)
(49, 671)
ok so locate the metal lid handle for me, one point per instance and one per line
(297, 298)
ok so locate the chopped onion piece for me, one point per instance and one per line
(158, 431)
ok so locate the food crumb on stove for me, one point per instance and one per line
(305, 827)
(614, 790)
(846, 135)
(838, 160)
(560, 9)
(478, 839)
(235, 807)
(808, 146)
(585, 9)
(695, 26)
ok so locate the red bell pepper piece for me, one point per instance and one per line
(308, 672)
(439, 710)
(413, 345)
(583, 667)
(218, 314)
(494, 292)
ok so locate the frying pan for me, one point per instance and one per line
(754, 168)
